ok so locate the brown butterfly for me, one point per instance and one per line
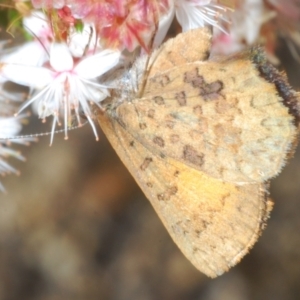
(202, 139)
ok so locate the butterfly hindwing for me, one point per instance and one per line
(201, 214)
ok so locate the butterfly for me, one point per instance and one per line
(202, 136)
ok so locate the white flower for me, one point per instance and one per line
(10, 127)
(64, 87)
(193, 14)
(31, 54)
(5, 167)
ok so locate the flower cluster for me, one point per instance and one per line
(10, 127)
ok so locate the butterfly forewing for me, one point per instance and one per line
(217, 117)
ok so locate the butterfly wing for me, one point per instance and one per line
(221, 118)
(178, 51)
(212, 222)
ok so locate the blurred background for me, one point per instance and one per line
(74, 225)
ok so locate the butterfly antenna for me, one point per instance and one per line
(86, 48)
(33, 34)
(151, 43)
(35, 135)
